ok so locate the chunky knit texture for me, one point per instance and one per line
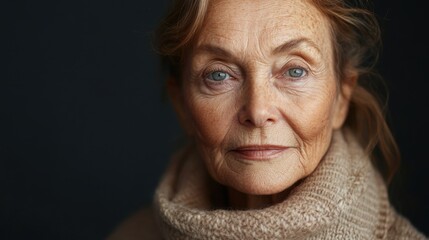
(344, 198)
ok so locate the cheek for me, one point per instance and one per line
(313, 123)
(210, 120)
(313, 120)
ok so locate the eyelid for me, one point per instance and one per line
(211, 77)
(293, 64)
(210, 86)
(218, 68)
(288, 72)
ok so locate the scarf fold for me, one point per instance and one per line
(343, 198)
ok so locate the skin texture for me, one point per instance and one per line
(259, 97)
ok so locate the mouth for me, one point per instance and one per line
(258, 152)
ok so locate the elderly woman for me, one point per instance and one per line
(285, 142)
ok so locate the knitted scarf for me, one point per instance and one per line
(344, 198)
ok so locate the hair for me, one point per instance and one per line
(356, 38)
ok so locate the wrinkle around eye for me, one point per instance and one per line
(211, 87)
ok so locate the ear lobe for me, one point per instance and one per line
(175, 94)
(343, 100)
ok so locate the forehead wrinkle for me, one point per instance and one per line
(254, 38)
(222, 36)
(250, 28)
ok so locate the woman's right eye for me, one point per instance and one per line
(218, 76)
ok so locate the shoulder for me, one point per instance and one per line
(402, 228)
(138, 226)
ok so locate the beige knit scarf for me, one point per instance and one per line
(344, 198)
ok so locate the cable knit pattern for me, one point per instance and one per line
(344, 198)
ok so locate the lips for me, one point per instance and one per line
(259, 152)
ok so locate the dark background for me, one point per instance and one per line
(86, 132)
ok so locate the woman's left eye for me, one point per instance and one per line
(218, 76)
(295, 72)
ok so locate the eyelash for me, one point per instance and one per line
(284, 74)
(207, 73)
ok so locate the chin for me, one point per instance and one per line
(260, 185)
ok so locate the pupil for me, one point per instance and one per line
(296, 72)
(219, 76)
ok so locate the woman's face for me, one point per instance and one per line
(259, 95)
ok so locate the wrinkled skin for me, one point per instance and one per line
(259, 96)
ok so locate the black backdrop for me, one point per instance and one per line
(86, 132)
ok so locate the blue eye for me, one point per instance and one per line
(218, 76)
(296, 72)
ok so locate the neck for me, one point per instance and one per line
(242, 201)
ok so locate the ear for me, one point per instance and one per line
(175, 93)
(343, 100)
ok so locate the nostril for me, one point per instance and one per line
(270, 120)
(257, 122)
(258, 111)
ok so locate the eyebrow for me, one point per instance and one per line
(287, 46)
(214, 49)
(295, 43)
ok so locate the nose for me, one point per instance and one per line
(258, 106)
